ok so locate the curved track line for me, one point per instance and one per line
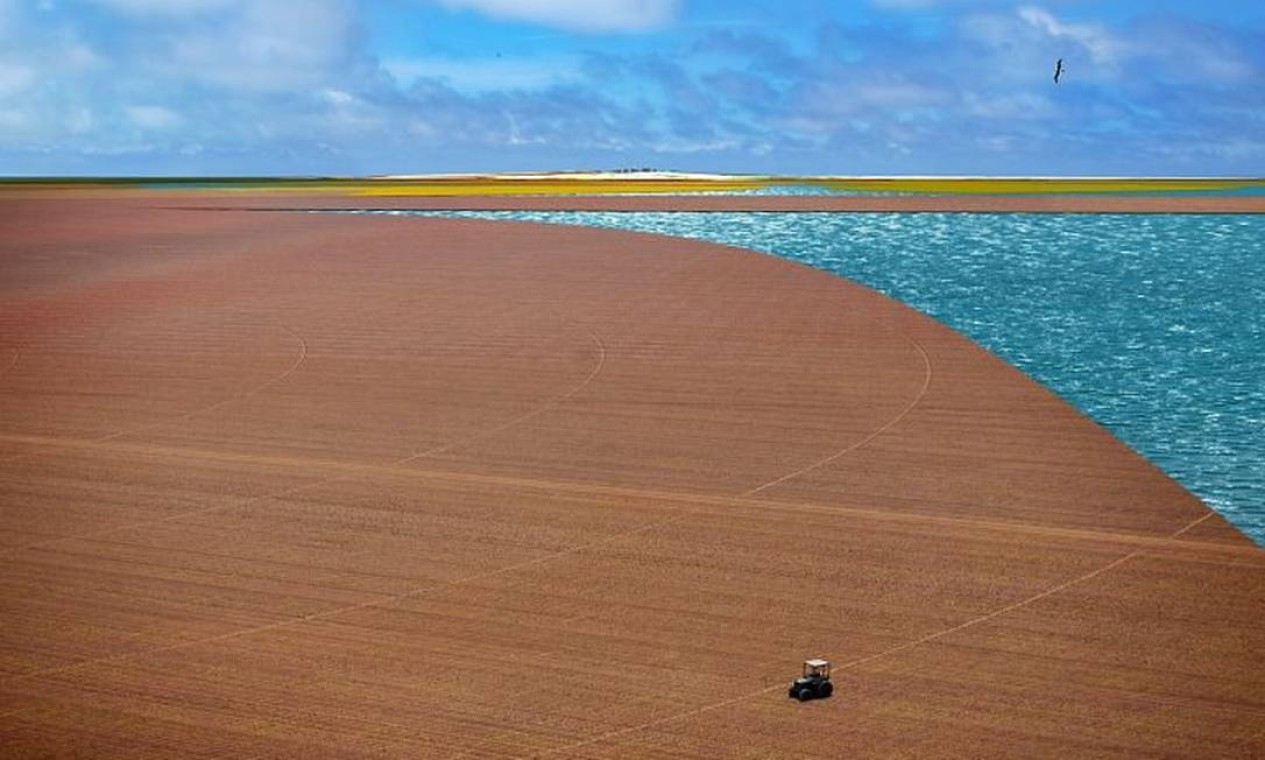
(698, 504)
(302, 487)
(380, 599)
(298, 361)
(922, 392)
(1206, 515)
(551, 404)
(388, 599)
(926, 384)
(869, 658)
(12, 362)
(602, 356)
(248, 393)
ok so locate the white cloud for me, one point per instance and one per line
(15, 78)
(1102, 47)
(152, 117)
(223, 73)
(14, 122)
(1020, 47)
(80, 120)
(266, 84)
(269, 46)
(347, 114)
(577, 15)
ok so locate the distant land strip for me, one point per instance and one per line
(665, 191)
(1050, 204)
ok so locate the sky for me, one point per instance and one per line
(852, 87)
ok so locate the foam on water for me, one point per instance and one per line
(1153, 325)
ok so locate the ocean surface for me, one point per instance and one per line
(1153, 325)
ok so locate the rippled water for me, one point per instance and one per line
(1153, 325)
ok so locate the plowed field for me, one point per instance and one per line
(290, 485)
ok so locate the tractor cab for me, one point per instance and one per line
(817, 669)
(814, 683)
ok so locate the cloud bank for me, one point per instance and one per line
(273, 86)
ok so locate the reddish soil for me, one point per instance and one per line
(288, 485)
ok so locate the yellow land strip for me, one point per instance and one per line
(615, 184)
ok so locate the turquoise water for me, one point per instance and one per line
(1153, 325)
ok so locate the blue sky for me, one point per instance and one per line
(348, 87)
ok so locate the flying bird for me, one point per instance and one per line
(1058, 70)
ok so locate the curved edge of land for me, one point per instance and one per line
(326, 485)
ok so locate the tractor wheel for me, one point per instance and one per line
(805, 694)
(827, 689)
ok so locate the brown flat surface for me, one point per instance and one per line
(283, 485)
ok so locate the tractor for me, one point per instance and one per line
(814, 684)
